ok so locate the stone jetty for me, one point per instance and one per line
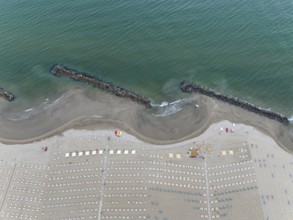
(6, 95)
(189, 87)
(61, 70)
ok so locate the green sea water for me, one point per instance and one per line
(242, 48)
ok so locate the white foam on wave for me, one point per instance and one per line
(291, 119)
(160, 105)
(28, 113)
(97, 116)
(30, 109)
(166, 108)
(169, 110)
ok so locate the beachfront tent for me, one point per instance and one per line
(118, 133)
(192, 153)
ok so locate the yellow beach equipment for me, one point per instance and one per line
(192, 153)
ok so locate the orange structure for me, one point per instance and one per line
(192, 153)
(118, 133)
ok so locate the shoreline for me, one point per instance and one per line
(189, 87)
(60, 70)
(105, 110)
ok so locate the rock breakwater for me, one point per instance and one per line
(189, 87)
(6, 95)
(61, 70)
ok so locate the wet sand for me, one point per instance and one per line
(88, 109)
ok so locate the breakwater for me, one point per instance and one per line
(6, 95)
(189, 87)
(61, 70)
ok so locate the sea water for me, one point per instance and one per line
(242, 48)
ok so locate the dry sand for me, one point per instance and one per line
(252, 182)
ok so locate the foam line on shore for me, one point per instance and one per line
(170, 108)
(76, 110)
(33, 111)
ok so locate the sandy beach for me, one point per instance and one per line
(64, 162)
(146, 110)
(79, 108)
(93, 174)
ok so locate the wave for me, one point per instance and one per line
(32, 111)
(170, 108)
(291, 119)
(163, 104)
